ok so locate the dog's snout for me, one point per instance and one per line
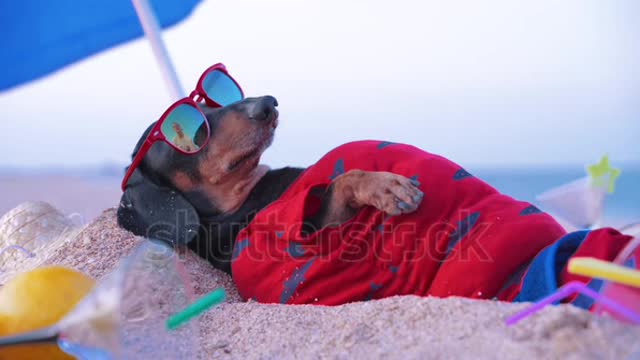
(264, 109)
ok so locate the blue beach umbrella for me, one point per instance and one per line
(39, 37)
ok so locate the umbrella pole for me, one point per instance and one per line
(152, 31)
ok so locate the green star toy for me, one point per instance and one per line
(598, 173)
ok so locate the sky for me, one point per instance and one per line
(485, 83)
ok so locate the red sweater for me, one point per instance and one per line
(464, 239)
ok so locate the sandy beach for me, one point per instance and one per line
(488, 150)
(397, 327)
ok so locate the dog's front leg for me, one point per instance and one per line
(394, 194)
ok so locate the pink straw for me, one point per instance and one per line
(568, 290)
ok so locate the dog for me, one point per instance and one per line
(204, 200)
(370, 219)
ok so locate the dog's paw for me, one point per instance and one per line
(390, 193)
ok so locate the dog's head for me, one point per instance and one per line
(169, 191)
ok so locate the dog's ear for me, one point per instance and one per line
(157, 212)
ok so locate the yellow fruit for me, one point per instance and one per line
(38, 299)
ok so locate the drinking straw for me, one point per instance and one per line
(568, 290)
(196, 308)
(604, 270)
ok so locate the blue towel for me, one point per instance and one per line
(541, 279)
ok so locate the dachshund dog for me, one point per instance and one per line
(203, 200)
(353, 226)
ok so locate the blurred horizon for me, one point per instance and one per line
(69, 189)
(495, 84)
(118, 170)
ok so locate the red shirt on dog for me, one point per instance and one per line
(465, 238)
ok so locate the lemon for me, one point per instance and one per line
(38, 299)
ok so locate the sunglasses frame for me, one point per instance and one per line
(200, 94)
(156, 131)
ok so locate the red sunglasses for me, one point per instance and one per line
(183, 125)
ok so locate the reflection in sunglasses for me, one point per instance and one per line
(182, 140)
(185, 128)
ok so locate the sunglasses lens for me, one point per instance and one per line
(221, 88)
(186, 128)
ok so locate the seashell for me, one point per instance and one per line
(30, 226)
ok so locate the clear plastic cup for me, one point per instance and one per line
(126, 314)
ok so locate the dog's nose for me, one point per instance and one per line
(264, 109)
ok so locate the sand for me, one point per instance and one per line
(397, 327)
